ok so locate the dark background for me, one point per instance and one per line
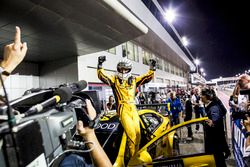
(218, 31)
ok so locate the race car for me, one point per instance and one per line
(161, 144)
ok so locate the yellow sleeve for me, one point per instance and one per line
(109, 80)
(144, 78)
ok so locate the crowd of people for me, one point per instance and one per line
(240, 107)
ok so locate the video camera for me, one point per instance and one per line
(39, 138)
(241, 114)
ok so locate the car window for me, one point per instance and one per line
(179, 143)
(151, 121)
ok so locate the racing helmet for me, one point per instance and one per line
(124, 68)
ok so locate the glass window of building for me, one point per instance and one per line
(132, 50)
(136, 52)
(167, 81)
(152, 56)
(159, 80)
(184, 74)
(172, 69)
(112, 50)
(172, 83)
(176, 70)
(168, 66)
(159, 63)
(165, 65)
(145, 57)
(181, 73)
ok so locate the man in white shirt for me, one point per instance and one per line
(197, 106)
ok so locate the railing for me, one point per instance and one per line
(238, 143)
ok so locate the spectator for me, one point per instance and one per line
(233, 103)
(223, 110)
(244, 81)
(13, 55)
(163, 98)
(238, 102)
(158, 98)
(188, 115)
(214, 129)
(246, 154)
(111, 105)
(141, 98)
(218, 102)
(197, 105)
(243, 104)
(98, 155)
(153, 97)
(174, 107)
(243, 100)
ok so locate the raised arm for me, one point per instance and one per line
(148, 76)
(101, 72)
(13, 55)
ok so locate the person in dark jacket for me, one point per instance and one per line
(188, 115)
(224, 112)
(214, 129)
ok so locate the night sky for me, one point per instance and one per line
(218, 31)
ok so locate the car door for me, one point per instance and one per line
(173, 148)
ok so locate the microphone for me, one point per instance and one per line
(77, 86)
(61, 95)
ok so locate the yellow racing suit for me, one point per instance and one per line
(125, 99)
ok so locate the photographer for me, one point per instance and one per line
(99, 157)
(243, 84)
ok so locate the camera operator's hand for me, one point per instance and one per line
(101, 59)
(83, 131)
(99, 157)
(152, 64)
(14, 53)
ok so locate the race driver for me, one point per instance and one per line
(124, 87)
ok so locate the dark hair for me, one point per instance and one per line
(208, 93)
